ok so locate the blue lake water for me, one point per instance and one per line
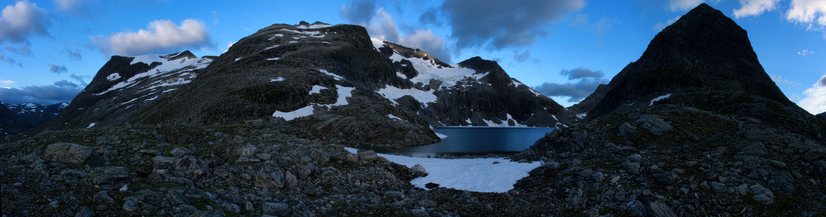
(479, 140)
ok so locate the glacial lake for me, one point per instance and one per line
(478, 140)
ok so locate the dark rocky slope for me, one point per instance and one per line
(726, 141)
(475, 92)
(332, 81)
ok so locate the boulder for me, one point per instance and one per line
(655, 124)
(70, 153)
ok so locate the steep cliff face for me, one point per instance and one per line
(703, 52)
(696, 113)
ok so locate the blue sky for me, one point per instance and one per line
(50, 49)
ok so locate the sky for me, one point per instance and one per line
(51, 49)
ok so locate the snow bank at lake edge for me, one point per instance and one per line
(474, 174)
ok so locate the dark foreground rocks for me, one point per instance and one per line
(160, 170)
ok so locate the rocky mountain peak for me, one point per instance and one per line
(703, 51)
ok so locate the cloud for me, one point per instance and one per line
(498, 24)
(57, 69)
(229, 45)
(794, 97)
(575, 90)
(22, 50)
(524, 57)
(74, 56)
(358, 12)
(815, 100)
(581, 72)
(21, 20)
(9, 60)
(7, 83)
(660, 26)
(810, 13)
(779, 79)
(679, 5)
(162, 36)
(80, 79)
(754, 7)
(382, 26)
(805, 52)
(425, 40)
(603, 25)
(588, 81)
(61, 91)
(431, 16)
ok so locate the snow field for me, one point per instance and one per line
(343, 93)
(659, 98)
(475, 174)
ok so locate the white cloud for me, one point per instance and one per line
(67, 5)
(229, 45)
(815, 100)
(7, 82)
(754, 7)
(808, 12)
(805, 52)
(382, 26)
(162, 36)
(428, 42)
(679, 5)
(22, 19)
(660, 26)
(779, 79)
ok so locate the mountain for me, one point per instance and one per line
(695, 122)
(36, 114)
(10, 123)
(475, 92)
(332, 81)
(17, 118)
(822, 115)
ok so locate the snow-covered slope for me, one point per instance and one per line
(475, 92)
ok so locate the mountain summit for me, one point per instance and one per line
(696, 113)
(703, 51)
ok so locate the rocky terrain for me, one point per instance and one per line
(710, 147)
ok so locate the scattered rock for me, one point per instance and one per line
(70, 153)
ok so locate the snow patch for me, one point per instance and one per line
(306, 111)
(441, 136)
(582, 116)
(277, 79)
(659, 98)
(391, 116)
(113, 77)
(343, 93)
(90, 125)
(317, 89)
(314, 26)
(239, 58)
(474, 174)
(337, 77)
(392, 93)
(271, 47)
(271, 59)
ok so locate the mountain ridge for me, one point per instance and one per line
(332, 80)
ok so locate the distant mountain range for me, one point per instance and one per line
(16, 118)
